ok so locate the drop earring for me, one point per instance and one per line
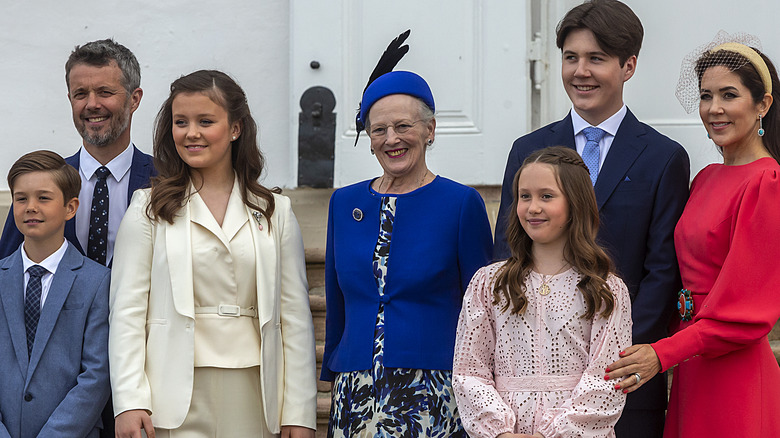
(708, 135)
(760, 126)
(372, 151)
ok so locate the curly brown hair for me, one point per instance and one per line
(581, 249)
(169, 188)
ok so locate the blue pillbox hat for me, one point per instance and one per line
(395, 82)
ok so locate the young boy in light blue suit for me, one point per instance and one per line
(53, 312)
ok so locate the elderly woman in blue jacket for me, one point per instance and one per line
(401, 250)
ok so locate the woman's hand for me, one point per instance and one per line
(297, 432)
(130, 423)
(640, 360)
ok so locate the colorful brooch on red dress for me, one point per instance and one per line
(685, 304)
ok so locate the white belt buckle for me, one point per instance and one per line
(228, 310)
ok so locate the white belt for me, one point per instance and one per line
(537, 383)
(227, 310)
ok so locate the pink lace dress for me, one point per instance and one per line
(542, 371)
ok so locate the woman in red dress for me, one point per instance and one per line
(726, 380)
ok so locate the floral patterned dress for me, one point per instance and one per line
(392, 402)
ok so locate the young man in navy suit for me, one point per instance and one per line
(640, 177)
(103, 79)
(53, 312)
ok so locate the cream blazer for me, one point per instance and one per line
(151, 337)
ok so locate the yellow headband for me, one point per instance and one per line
(754, 59)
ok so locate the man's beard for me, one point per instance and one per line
(115, 129)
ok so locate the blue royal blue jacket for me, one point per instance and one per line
(441, 236)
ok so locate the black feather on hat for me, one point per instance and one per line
(387, 62)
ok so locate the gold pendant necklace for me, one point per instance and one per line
(544, 288)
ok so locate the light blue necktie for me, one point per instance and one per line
(591, 154)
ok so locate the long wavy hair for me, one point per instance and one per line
(169, 188)
(581, 249)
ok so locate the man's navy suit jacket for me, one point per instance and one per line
(641, 191)
(141, 170)
(60, 390)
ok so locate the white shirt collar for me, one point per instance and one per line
(610, 126)
(50, 263)
(119, 166)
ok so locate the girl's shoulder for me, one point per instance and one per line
(493, 269)
(617, 286)
(486, 275)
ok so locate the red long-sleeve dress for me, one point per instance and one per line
(727, 381)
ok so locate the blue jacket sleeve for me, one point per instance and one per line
(78, 412)
(500, 247)
(12, 238)
(3, 430)
(334, 300)
(475, 244)
(654, 302)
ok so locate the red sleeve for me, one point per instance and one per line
(744, 302)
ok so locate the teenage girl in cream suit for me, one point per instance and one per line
(211, 333)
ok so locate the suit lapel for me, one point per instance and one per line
(70, 226)
(625, 149)
(178, 241)
(562, 134)
(140, 172)
(70, 234)
(266, 258)
(60, 289)
(12, 295)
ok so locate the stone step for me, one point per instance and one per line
(774, 340)
(315, 272)
(774, 335)
(323, 412)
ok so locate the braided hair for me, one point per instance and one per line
(581, 249)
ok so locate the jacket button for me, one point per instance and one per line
(28, 397)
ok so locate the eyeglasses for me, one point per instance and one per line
(379, 132)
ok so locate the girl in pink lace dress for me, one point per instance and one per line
(537, 330)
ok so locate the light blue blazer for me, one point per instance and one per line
(62, 389)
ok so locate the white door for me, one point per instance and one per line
(472, 53)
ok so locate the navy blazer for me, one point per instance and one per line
(440, 238)
(141, 170)
(641, 191)
(61, 390)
